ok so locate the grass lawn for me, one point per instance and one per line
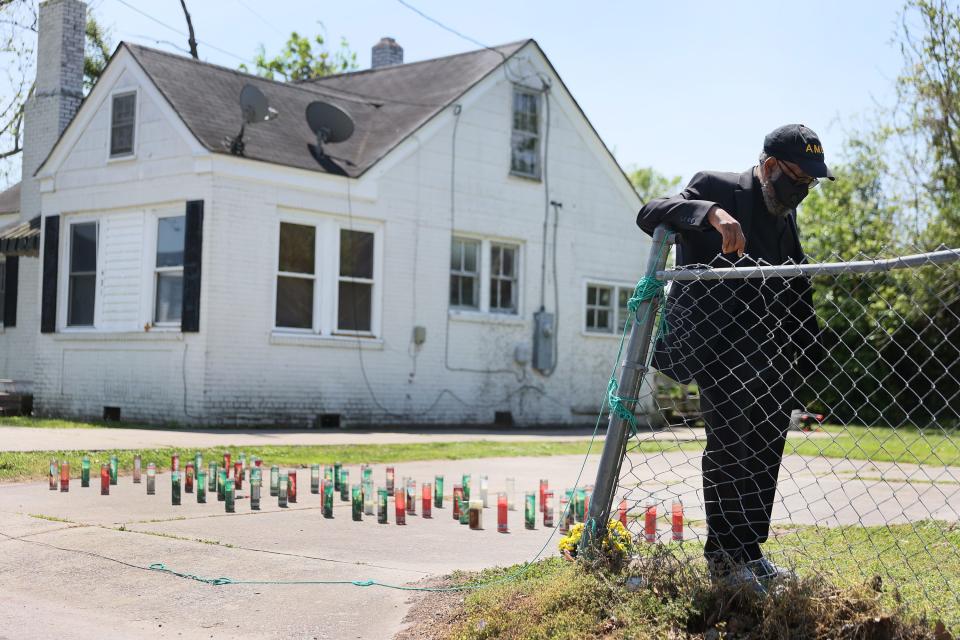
(934, 447)
(557, 599)
(16, 465)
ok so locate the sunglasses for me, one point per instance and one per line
(809, 183)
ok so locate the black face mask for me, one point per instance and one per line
(789, 193)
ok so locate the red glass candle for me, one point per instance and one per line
(65, 476)
(457, 497)
(238, 476)
(400, 500)
(175, 462)
(544, 485)
(188, 478)
(226, 465)
(650, 522)
(622, 512)
(104, 480)
(291, 486)
(548, 509)
(427, 500)
(677, 517)
(586, 506)
(502, 513)
(391, 475)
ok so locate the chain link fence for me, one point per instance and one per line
(819, 425)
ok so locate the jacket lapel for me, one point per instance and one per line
(744, 199)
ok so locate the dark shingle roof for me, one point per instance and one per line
(387, 104)
(10, 200)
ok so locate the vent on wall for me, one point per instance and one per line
(503, 418)
(111, 414)
(328, 421)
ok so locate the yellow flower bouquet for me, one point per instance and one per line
(617, 545)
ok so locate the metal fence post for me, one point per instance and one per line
(633, 368)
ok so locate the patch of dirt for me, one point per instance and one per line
(432, 614)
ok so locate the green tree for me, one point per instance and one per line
(650, 184)
(304, 59)
(97, 53)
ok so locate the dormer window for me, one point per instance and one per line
(525, 141)
(122, 121)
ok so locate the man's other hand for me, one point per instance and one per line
(729, 228)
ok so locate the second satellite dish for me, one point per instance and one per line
(330, 123)
(255, 109)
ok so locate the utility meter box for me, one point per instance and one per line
(543, 341)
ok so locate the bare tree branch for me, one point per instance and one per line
(192, 41)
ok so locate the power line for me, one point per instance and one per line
(177, 31)
(451, 29)
(259, 17)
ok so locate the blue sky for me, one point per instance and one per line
(679, 86)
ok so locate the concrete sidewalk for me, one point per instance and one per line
(38, 439)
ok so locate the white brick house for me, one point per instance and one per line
(393, 282)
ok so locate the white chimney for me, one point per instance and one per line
(386, 53)
(57, 92)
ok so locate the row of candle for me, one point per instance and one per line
(574, 504)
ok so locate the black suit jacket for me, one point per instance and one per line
(700, 312)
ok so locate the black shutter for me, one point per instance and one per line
(10, 292)
(51, 261)
(192, 257)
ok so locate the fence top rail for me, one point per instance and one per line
(944, 256)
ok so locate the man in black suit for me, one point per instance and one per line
(741, 340)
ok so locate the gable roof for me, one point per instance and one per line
(387, 104)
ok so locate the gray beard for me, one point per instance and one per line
(774, 206)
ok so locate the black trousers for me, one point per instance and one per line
(745, 400)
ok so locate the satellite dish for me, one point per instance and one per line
(329, 122)
(254, 104)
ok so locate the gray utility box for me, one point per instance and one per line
(542, 341)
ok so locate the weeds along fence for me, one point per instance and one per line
(867, 489)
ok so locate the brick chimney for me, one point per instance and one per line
(57, 92)
(386, 53)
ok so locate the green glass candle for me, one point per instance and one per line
(357, 504)
(315, 478)
(274, 480)
(464, 512)
(221, 484)
(282, 480)
(438, 492)
(579, 501)
(382, 505)
(369, 498)
(466, 486)
(255, 482)
(368, 474)
(530, 510)
(114, 468)
(197, 462)
(175, 487)
(201, 487)
(328, 474)
(344, 475)
(212, 477)
(228, 491)
(338, 479)
(85, 471)
(327, 499)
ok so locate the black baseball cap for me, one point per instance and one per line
(799, 144)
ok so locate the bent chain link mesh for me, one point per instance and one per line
(872, 491)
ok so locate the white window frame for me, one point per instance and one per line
(135, 92)
(485, 313)
(327, 275)
(155, 270)
(462, 273)
(64, 282)
(515, 279)
(611, 309)
(619, 314)
(514, 132)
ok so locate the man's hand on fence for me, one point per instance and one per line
(729, 228)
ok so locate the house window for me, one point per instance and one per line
(525, 140)
(503, 278)
(82, 287)
(465, 273)
(355, 282)
(123, 117)
(600, 308)
(296, 276)
(168, 277)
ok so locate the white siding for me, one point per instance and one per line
(122, 257)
